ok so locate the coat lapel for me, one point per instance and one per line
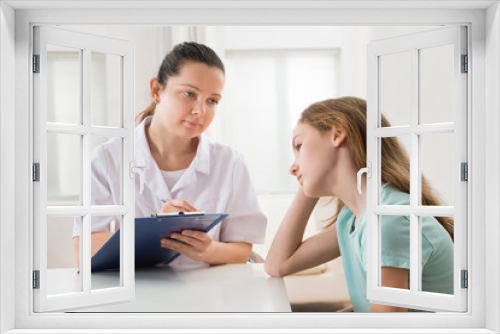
(155, 182)
(144, 160)
(200, 164)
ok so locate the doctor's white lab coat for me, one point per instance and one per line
(217, 181)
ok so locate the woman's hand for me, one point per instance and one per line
(200, 246)
(178, 205)
(193, 244)
(196, 245)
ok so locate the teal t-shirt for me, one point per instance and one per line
(437, 249)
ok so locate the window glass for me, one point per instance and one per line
(109, 278)
(101, 147)
(392, 169)
(105, 90)
(64, 73)
(64, 169)
(63, 276)
(395, 244)
(437, 251)
(437, 165)
(436, 84)
(394, 94)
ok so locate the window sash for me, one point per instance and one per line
(413, 298)
(86, 43)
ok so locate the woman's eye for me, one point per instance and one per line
(298, 146)
(188, 94)
(214, 102)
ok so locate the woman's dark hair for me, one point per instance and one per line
(174, 60)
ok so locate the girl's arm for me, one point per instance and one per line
(394, 278)
(288, 253)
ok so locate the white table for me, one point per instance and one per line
(225, 288)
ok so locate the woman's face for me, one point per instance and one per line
(186, 105)
(315, 159)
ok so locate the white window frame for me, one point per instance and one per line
(86, 44)
(484, 103)
(414, 297)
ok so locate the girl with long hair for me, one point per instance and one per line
(329, 144)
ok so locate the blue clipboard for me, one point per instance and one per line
(148, 232)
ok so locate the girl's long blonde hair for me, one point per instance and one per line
(349, 114)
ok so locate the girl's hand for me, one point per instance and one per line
(177, 205)
(196, 245)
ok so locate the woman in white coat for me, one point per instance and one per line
(184, 170)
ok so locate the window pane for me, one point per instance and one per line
(61, 263)
(395, 87)
(395, 244)
(105, 90)
(64, 85)
(395, 168)
(437, 255)
(107, 149)
(437, 164)
(436, 84)
(64, 169)
(108, 278)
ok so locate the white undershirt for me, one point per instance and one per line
(171, 177)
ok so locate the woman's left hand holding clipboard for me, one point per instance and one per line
(193, 244)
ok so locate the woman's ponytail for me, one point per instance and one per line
(149, 111)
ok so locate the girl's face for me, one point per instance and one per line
(315, 159)
(186, 105)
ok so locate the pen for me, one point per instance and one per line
(180, 213)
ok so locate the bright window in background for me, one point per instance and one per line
(264, 95)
